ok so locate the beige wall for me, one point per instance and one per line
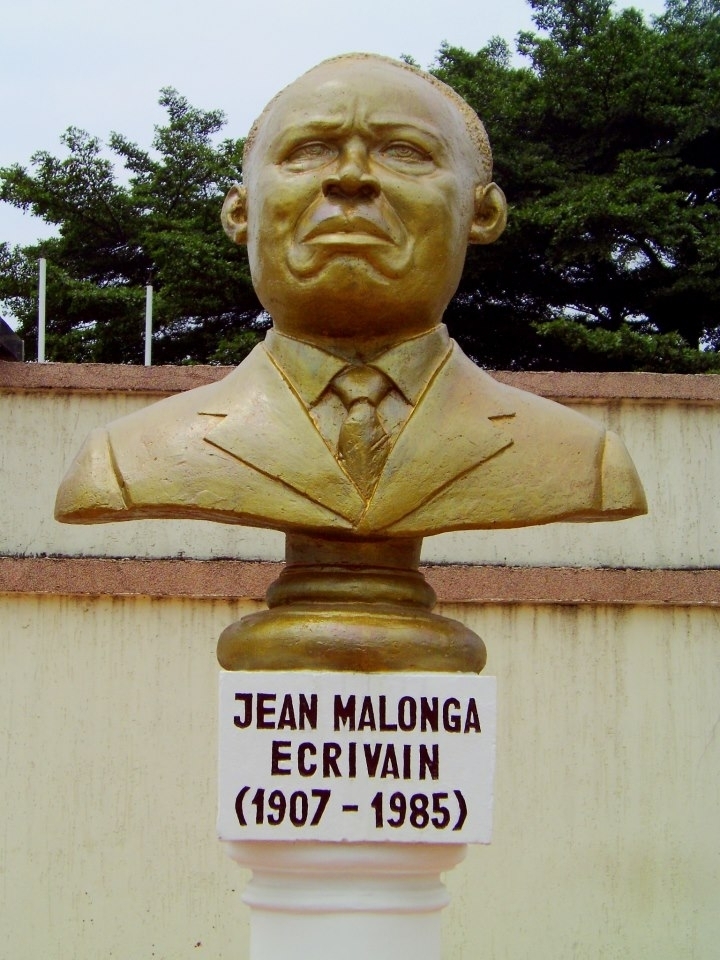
(675, 445)
(607, 809)
(607, 831)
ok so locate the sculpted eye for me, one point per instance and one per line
(308, 155)
(406, 153)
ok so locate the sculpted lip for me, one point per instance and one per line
(346, 228)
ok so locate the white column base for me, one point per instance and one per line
(355, 901)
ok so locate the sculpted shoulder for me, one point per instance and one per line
(95, 487)
(163, 462)
(551, 464)
(570, 438)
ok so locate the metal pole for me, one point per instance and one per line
(148, 324)
(42, 263)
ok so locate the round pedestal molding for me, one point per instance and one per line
(339, 877)
(364, 901)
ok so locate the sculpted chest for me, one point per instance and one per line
(245, 450)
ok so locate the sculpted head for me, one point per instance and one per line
(364, 181)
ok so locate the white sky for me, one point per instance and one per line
(100, 66)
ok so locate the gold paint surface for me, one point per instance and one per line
(365, 180)
(343, 605)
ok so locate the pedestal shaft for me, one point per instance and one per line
(359, 901)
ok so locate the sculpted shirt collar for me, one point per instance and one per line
(410, 364)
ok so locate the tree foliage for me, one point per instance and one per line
(127, 218)
(606, 136)
(607, 144)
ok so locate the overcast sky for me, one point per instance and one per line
(100, 66)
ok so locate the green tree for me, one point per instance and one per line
(607, 144)
(156, 216)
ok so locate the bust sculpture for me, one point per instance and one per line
(358, 418)
(364, 182)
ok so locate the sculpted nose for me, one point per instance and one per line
(351, 178)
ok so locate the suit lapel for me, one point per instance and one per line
(450, 432)
(267, 427)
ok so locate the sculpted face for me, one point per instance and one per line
(363, 189)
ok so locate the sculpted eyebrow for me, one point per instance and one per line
(405, 129)
(311, 128)
(318, 127)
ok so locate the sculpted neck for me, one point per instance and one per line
(353, 338)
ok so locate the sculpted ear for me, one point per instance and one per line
(490, 214)
(234, 214)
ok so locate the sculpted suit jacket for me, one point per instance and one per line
(473, 454)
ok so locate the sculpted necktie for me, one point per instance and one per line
(363, 444)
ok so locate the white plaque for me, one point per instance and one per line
(348, 756)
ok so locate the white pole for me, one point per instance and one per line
(41, 309)
(148, 324)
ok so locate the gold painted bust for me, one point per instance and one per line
(364, 181)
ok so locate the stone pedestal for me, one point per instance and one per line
(361, 607)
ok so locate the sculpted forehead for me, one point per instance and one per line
(368, 91)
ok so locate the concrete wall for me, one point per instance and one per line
(671, 427)
(607, 831)
(607, 811)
